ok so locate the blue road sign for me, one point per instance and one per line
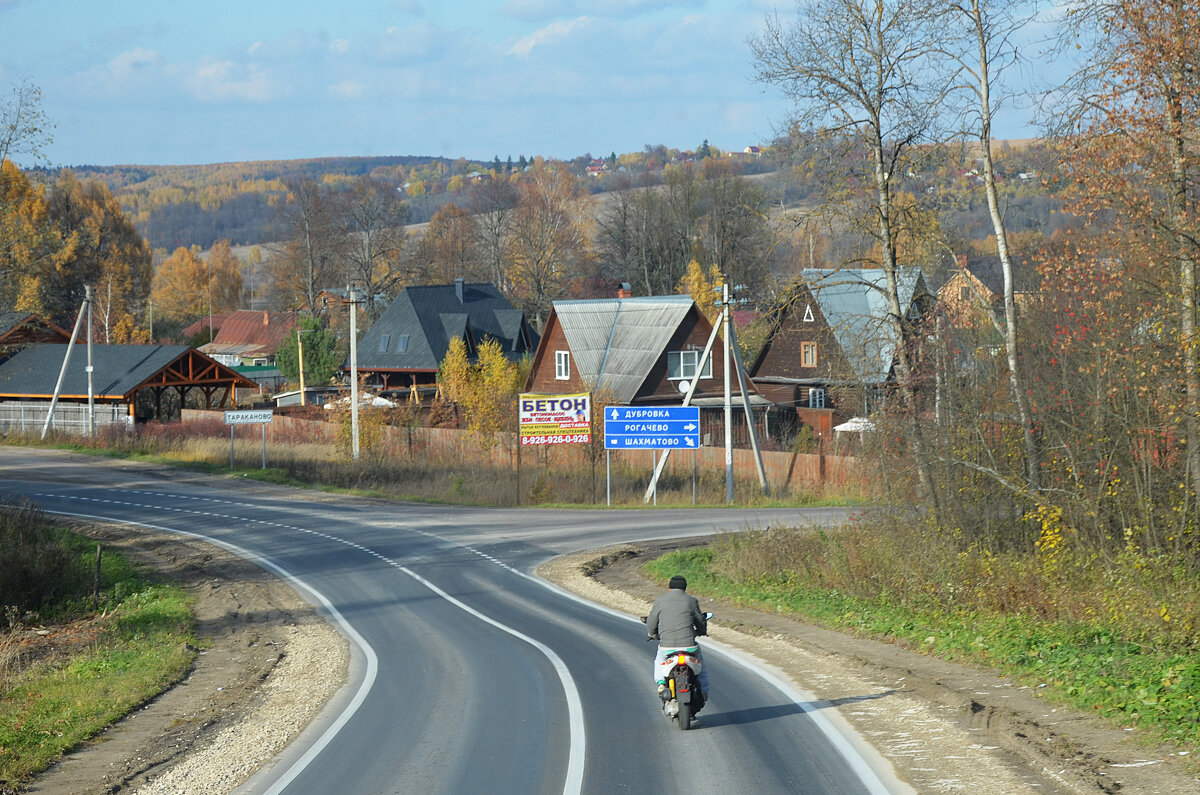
(651, 427)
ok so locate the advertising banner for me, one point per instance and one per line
(556, 419)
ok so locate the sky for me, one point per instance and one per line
(165, 82)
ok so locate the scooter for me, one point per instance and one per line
(681, 695)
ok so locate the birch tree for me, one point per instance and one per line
(862, 70)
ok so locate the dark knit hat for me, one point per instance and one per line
(678, 583)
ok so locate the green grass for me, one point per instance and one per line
(144, 643)
(1086, 665)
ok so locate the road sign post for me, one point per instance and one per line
(249, 417)
(651, 428)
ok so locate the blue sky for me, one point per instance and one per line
(179, 81)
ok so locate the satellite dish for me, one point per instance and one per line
(684, 386)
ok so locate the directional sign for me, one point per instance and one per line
(651, 427)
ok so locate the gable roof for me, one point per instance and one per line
(248, 332)
(429, 316)
(22, 326)
(616, 341)
(118, 371)
(854, 305)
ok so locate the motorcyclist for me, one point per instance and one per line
(675, 621)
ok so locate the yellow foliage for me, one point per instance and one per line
(704, 288)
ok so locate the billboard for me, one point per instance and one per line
(556, 419)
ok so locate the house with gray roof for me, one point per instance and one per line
(632, 351)
(406, 346)
(832, 346)
(145, 381)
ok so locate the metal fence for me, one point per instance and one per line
(68, 417)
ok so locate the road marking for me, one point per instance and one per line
(372, 669)
(577, 747)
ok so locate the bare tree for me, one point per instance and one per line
(493, 203)
(986, 49)
(374, 217)
(862, 69)
(307, 262)
(24, 128)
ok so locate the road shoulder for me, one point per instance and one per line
(944, 727)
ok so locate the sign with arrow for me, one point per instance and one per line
(651, 427)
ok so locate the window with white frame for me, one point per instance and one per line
(562, 365)
(816, 398)
(682, 364)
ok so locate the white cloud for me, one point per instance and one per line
(347, 90)
(213, 80)
(553, 32)
(548, 9)
(130, 63)
(339, 46)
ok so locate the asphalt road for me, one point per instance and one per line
(468, 674)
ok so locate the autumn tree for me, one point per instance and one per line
(549, 243)
(310, 258)
(1132, 161)
(180, 291)
(106, 252)
(986, 48)
(374, 220)
(492, 204)
(862, 67)
(30, 243)
(447, 250)
(24, 128)
(486, 389)
(704, 286)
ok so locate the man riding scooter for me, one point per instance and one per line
(675, 621)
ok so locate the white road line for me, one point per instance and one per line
(369, 653)
(577, 753)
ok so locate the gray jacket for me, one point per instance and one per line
(676, 620)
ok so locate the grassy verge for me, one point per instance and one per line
(107, 664)
(1121, 669)
(443, 477)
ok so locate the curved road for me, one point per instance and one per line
(468, 673)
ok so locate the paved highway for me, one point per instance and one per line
(469, 674)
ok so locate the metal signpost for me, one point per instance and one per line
(249, 417)
(651, 428)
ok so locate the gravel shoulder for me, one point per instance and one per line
(266, 665)
(944, 727)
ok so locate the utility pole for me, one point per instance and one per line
(725, 323)
(87, 300)
(300, 332)
(352, 292)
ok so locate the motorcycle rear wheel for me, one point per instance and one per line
(685, 716)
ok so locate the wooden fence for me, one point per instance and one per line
(784, 470)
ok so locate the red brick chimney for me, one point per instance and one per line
(624, 290)
(266, 318)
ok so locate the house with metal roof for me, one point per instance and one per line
(406, 346)
(631, 351)
(148, 381)
(832, 346)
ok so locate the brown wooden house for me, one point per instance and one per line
(18, 329)
(631, 351)
(831, 348)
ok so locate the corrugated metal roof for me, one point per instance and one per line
(117, 369)
(616, 341)
(854, 304)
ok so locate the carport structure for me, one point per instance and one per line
(138, 376)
